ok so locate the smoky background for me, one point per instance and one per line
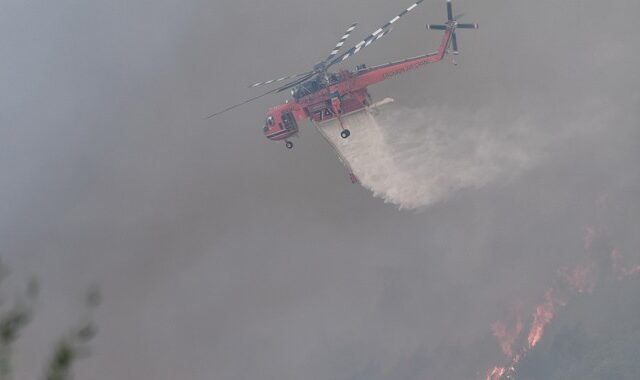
(220, 254)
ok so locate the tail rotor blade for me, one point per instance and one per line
(452, 26)
(436, 27)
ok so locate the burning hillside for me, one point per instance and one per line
(582, 278)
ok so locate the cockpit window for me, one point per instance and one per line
(270, 121)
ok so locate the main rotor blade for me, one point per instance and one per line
(354, 50)
(279, 79)
(373, 36)
(295, 83)
(275, 90)
(449, 10)
(467, 26)
(344, 37)
(240, 104)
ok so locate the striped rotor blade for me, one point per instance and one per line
(279, 79)
(449, 10)
(361, 45)
(393, 20)
(340, 43)
(275, 90)
(386, 28)
(467, 26)
(436, 27)
(295, 82)
(454, 42)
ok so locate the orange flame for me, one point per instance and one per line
(542, 316)
(507, 337)
(496, 373)
(582, 279)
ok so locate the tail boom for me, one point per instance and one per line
(379, 73)
(449, 43)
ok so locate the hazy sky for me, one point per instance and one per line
(222, 255)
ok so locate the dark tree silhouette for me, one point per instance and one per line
(72, 346)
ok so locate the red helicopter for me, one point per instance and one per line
(320, 95)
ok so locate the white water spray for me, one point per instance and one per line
(414, 158)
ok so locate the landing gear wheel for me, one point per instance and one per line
(288, 144)
(345, 133)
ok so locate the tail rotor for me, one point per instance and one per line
(451, 25)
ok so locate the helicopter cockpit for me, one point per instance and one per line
(268, 123)
(280, 124)
(307, 88)
(314, 85)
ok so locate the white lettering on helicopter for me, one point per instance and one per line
(404, 69)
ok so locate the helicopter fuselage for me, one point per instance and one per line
(333, 95)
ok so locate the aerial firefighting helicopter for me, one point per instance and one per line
(320, 95)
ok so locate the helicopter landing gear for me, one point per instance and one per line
(345, 133)
(288, 144)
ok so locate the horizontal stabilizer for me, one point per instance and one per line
(383, 102)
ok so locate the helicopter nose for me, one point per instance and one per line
(270, 132)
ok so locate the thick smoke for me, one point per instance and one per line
(223, 254)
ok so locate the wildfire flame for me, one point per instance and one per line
(542, 316)
(507, 337)
(496, 373)
(580, 279)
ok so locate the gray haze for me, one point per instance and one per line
(223, 256)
